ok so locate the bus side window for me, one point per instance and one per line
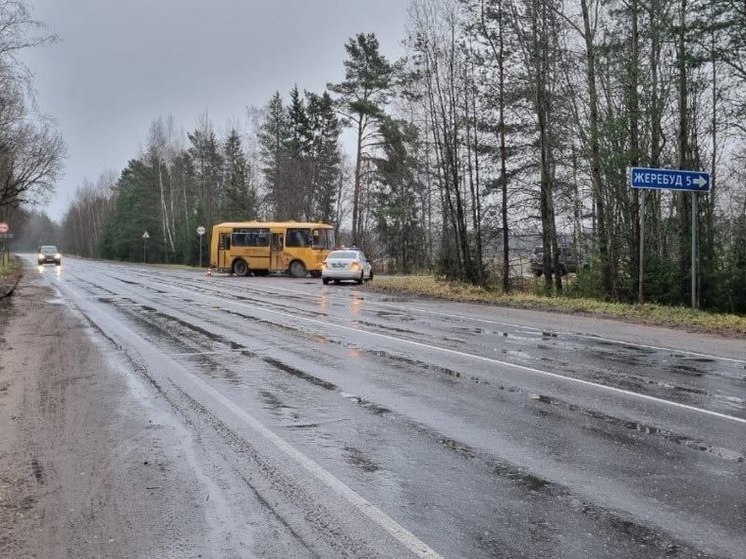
(224, 241)
(316, 240)
(294, 238)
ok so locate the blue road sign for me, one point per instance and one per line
(669, 179)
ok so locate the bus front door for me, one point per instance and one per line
(224, 245)
(276, 261)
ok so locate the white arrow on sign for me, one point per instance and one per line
(700, 182)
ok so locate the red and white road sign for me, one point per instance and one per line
(4, 227)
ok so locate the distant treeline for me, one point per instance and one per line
(506, 117)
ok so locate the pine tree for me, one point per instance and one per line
(274, 134)
(364, 94)
(396, 210)
(298, 180)
(325, 130)
(240, 201)
(207, 166)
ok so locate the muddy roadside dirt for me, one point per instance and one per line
(89, 466)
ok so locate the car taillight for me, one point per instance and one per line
(355, 266)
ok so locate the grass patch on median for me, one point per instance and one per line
(526, 298)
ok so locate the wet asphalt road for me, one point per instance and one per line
(375, 426)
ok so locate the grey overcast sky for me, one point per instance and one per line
(121, 64)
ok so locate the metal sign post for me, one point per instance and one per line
(4, 235)
(641, 275)
(673, 179)
(200, 232)
(145, 238)
(695, 257)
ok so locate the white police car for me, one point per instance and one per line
(347, 264)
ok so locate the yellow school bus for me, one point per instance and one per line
(261, 247)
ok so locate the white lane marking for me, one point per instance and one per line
(585, 336)
(399, 532)
(488, 360)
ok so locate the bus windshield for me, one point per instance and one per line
(322, 238)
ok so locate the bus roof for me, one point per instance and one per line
(274, 224)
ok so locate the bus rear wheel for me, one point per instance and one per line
(240, 268)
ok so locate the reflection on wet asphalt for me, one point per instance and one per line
(463, 428)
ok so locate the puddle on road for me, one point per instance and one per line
(366, 404)
(700, 359)
(388, 328)
(459, 448)
(326, 385)
(395, 300)
(360, 460)
(392, 314)
(685, 370)
(419, 365)
(210, 367)
(199, 330)
(263, 321)
(272, 401)
(529, 481)
(689, 442)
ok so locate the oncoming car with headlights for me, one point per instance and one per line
(48, 254)
(347, 264)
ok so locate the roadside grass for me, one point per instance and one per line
(10, 273)
(525, 297)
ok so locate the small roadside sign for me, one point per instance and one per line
(669, 179)
(201, 230)
(6, 235)
(145, 235)
(4, 227)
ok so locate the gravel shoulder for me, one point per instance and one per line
(88, 465)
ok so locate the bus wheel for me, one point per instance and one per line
(297, 269)
(240, 268)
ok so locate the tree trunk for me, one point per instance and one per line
(595, 155)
